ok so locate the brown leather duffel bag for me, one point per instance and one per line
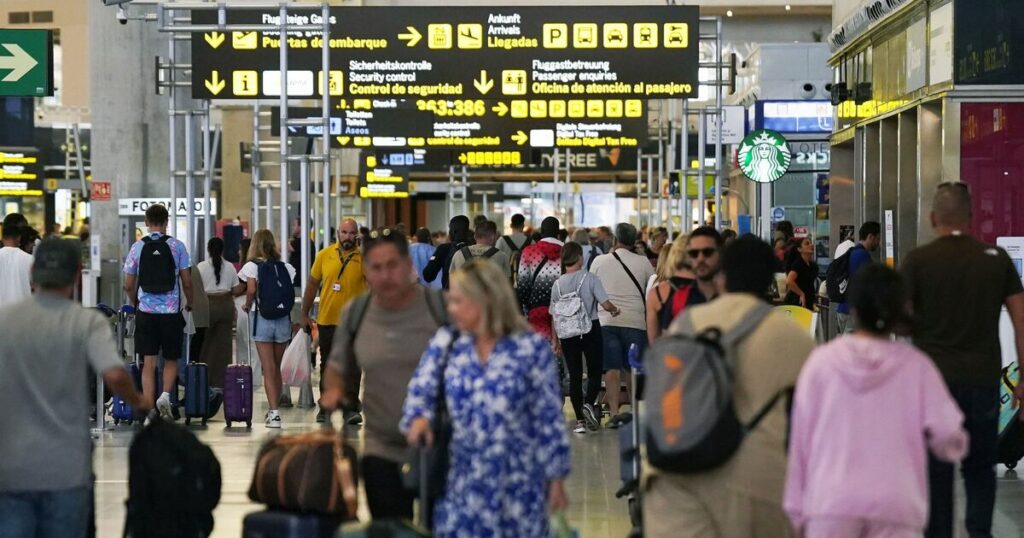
(313, 472)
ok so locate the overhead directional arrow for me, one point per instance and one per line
(520, 138)
(215, 84)
(412, 37)
(214, 38)
(462, 158)
(483, 83)
(500, 109)
(343, 140)
(19, 62)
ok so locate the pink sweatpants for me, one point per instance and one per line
(856, 528)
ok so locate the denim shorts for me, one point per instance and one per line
(273, 330)
(616, 346)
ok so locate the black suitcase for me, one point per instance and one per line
(281, 524)
(197, 389)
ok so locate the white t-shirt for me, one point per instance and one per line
(15, 275)
(251, 270)
(228, 277)
(621, 289)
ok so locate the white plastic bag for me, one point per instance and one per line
(295, 365)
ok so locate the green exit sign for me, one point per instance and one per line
(26, 63)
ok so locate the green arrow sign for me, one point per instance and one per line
(26, 63)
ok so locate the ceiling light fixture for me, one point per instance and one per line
(728, 13)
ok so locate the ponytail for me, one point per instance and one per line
(215, 246)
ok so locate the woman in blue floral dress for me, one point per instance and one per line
(509, 450)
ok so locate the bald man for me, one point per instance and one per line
(959, 286)
(337, 275)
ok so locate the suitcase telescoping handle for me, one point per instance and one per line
(424, 487)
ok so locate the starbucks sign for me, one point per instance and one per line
(764, 156)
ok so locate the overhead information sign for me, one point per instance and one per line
(479, 124)
(26, 63)
(624, 52)
(378, 180)
(20, 172)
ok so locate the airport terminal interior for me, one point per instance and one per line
(871, 152)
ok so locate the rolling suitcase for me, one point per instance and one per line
(197, 388)
(120, 411)
(1010, 448)
(238, 393)
(281, 524)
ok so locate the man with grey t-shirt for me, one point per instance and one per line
(45, 449)
(382, 336)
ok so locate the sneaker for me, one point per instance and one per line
(321, 416)
(580, 427)
(163, 405)
(591, 418)
(273, 419)
(619, 420)
(353, 418)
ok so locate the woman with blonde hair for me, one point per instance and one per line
(271, 335)
(509, 451)
(670, 294)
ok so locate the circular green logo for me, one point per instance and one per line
(764, 156)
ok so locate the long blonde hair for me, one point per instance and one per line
(675, 259)
(484, 284)
(263, 246)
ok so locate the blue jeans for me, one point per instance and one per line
(980, 406)
(45, 514)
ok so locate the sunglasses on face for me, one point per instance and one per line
(694, 253)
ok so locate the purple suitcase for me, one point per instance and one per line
(238, 393)
(279, 524)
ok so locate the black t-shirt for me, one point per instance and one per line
(958, 287)
(806, 274)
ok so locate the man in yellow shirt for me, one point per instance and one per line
(337, 275)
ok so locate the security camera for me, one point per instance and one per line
(807, 90)
(122, 15)
(826, 90)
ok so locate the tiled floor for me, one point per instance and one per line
(594, 510)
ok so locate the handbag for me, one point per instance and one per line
(426, 470)
(313, 472)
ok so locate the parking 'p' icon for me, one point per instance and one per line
(556, 36)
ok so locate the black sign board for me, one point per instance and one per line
(463, 52)
(21, 172)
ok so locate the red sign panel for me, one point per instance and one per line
(101, 191)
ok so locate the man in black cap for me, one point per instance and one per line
(46, 449)
(441, 261)
(539, 267)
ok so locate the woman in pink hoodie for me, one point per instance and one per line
(866, 412)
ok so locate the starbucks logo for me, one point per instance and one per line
(764, 156)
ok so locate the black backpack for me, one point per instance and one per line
(158, 273)
(837, 276)
(174, 484)
(275, 292)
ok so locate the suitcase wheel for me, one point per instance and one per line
(248, 424)
(204, 421)
(116, 422)
(229, 423)
(1011, 466)
(188, 420)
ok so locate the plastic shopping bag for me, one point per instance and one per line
(295, 365)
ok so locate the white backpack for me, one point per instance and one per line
(570, 315)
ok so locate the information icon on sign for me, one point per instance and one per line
(245, 83)
(556, 109)
(584, 36)
(470, 36)
(613, 108)
(513, 82)
(440, 36)
(577, 108)
(634, 108)
(615, 35)
(556, 36)
(675, 35)
(520, 109)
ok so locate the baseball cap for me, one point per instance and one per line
(56, 262)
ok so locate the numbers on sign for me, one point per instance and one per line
(455, 108)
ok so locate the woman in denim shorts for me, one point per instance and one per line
(271, 335)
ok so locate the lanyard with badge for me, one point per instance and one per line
(344, 263)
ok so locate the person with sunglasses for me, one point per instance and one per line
(337, 276)
(959, 286)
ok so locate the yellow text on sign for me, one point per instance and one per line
(245, 83)
(556, 36)
(336, 82)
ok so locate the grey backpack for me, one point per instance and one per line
(691, 423)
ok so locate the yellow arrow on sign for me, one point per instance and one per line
(412, 37)
(343, 140)
(462, 158)
(520, 138)
(215, 84)
(500, 109)
(214, 38)
(484, 84)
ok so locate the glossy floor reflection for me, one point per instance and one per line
(594, 510)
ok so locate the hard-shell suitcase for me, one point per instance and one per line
(281, 524)
(388, 528)
(197, 389)
(1010, 448)
(238, 383)
(120, 410)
